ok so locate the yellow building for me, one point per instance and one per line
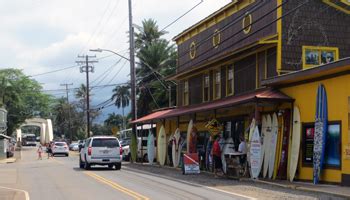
(252, 58)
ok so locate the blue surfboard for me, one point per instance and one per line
(320, 133)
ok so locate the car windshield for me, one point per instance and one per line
(60, 144)
(105, 142)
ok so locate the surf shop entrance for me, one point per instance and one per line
(187, 129)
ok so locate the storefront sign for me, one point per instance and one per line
(309, 144)
(191, 164)
(214, 127)
(347, 151)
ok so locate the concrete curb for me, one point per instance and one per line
(303, 188)
(287, 186)
(8, 160)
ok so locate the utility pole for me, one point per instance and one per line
(87, 68)
(69, 116)
(132, 72)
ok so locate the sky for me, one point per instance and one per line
(40, 36)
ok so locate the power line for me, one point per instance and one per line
(181, 16)
(54, 71)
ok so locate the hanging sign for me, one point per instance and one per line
(214, 127)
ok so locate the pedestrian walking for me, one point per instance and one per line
(40, 151)
(48, 150)
(216, 152)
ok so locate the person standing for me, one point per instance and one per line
(216, 152)
(40, 151)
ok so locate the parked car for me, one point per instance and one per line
(60, 148)
(81, 144)
(72, 145)
(101, 150)
(141, 152)
(75, 147)
(126, 152)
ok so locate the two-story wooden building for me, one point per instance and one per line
(227, 64)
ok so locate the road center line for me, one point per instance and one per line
(117, 186)
(26, 194)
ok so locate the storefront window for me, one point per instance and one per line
(333, 144)
(217, 84)
(230, 83)
(206, 88)
(186, 91)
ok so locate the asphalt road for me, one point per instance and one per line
(60, 178)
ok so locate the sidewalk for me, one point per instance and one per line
(335, 190)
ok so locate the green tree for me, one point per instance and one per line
(114, 120)
(157, 56)
(121, 97)
(22, 97)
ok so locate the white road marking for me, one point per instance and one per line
(26, 194)
(196, 184)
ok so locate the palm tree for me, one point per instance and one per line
(121, 97)
(147, 33)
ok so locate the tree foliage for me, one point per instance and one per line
(22, 97)
(157, 56)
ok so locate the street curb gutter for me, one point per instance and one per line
(8, 160)
(302, 188)
(293, 187)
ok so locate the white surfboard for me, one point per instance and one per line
(189, 129)
(273, 144)
(295, 143)
(267, 142)
(150, 147)
(251, 130)
(255, 153)
(262, 139)
(175, 148)
(162, 145)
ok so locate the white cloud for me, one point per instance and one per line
(40, 36)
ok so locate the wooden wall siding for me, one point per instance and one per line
(245, 74)
(211, 81)
(179, 88)
(206, 52)
(315, 24)
(223, 81)
(271, 55)
(261, 66)
(195, 87)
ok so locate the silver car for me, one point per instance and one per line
(60, 148)
(101, 150)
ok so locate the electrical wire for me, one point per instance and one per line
(181, 16)
(54, 71)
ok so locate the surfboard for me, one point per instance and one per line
(321, 118)
(250, 134)
(267, 144)
(175, 148)
(188, 136)
(273, 144)
(279, 145)
(255, 153)
(262, 139)
(251, 130)
(295, 143)
(282, 171)
(162, 145)
(150, 147)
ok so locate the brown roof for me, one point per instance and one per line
(258, 95)
(329, 70)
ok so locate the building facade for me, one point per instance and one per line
(230, 65)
